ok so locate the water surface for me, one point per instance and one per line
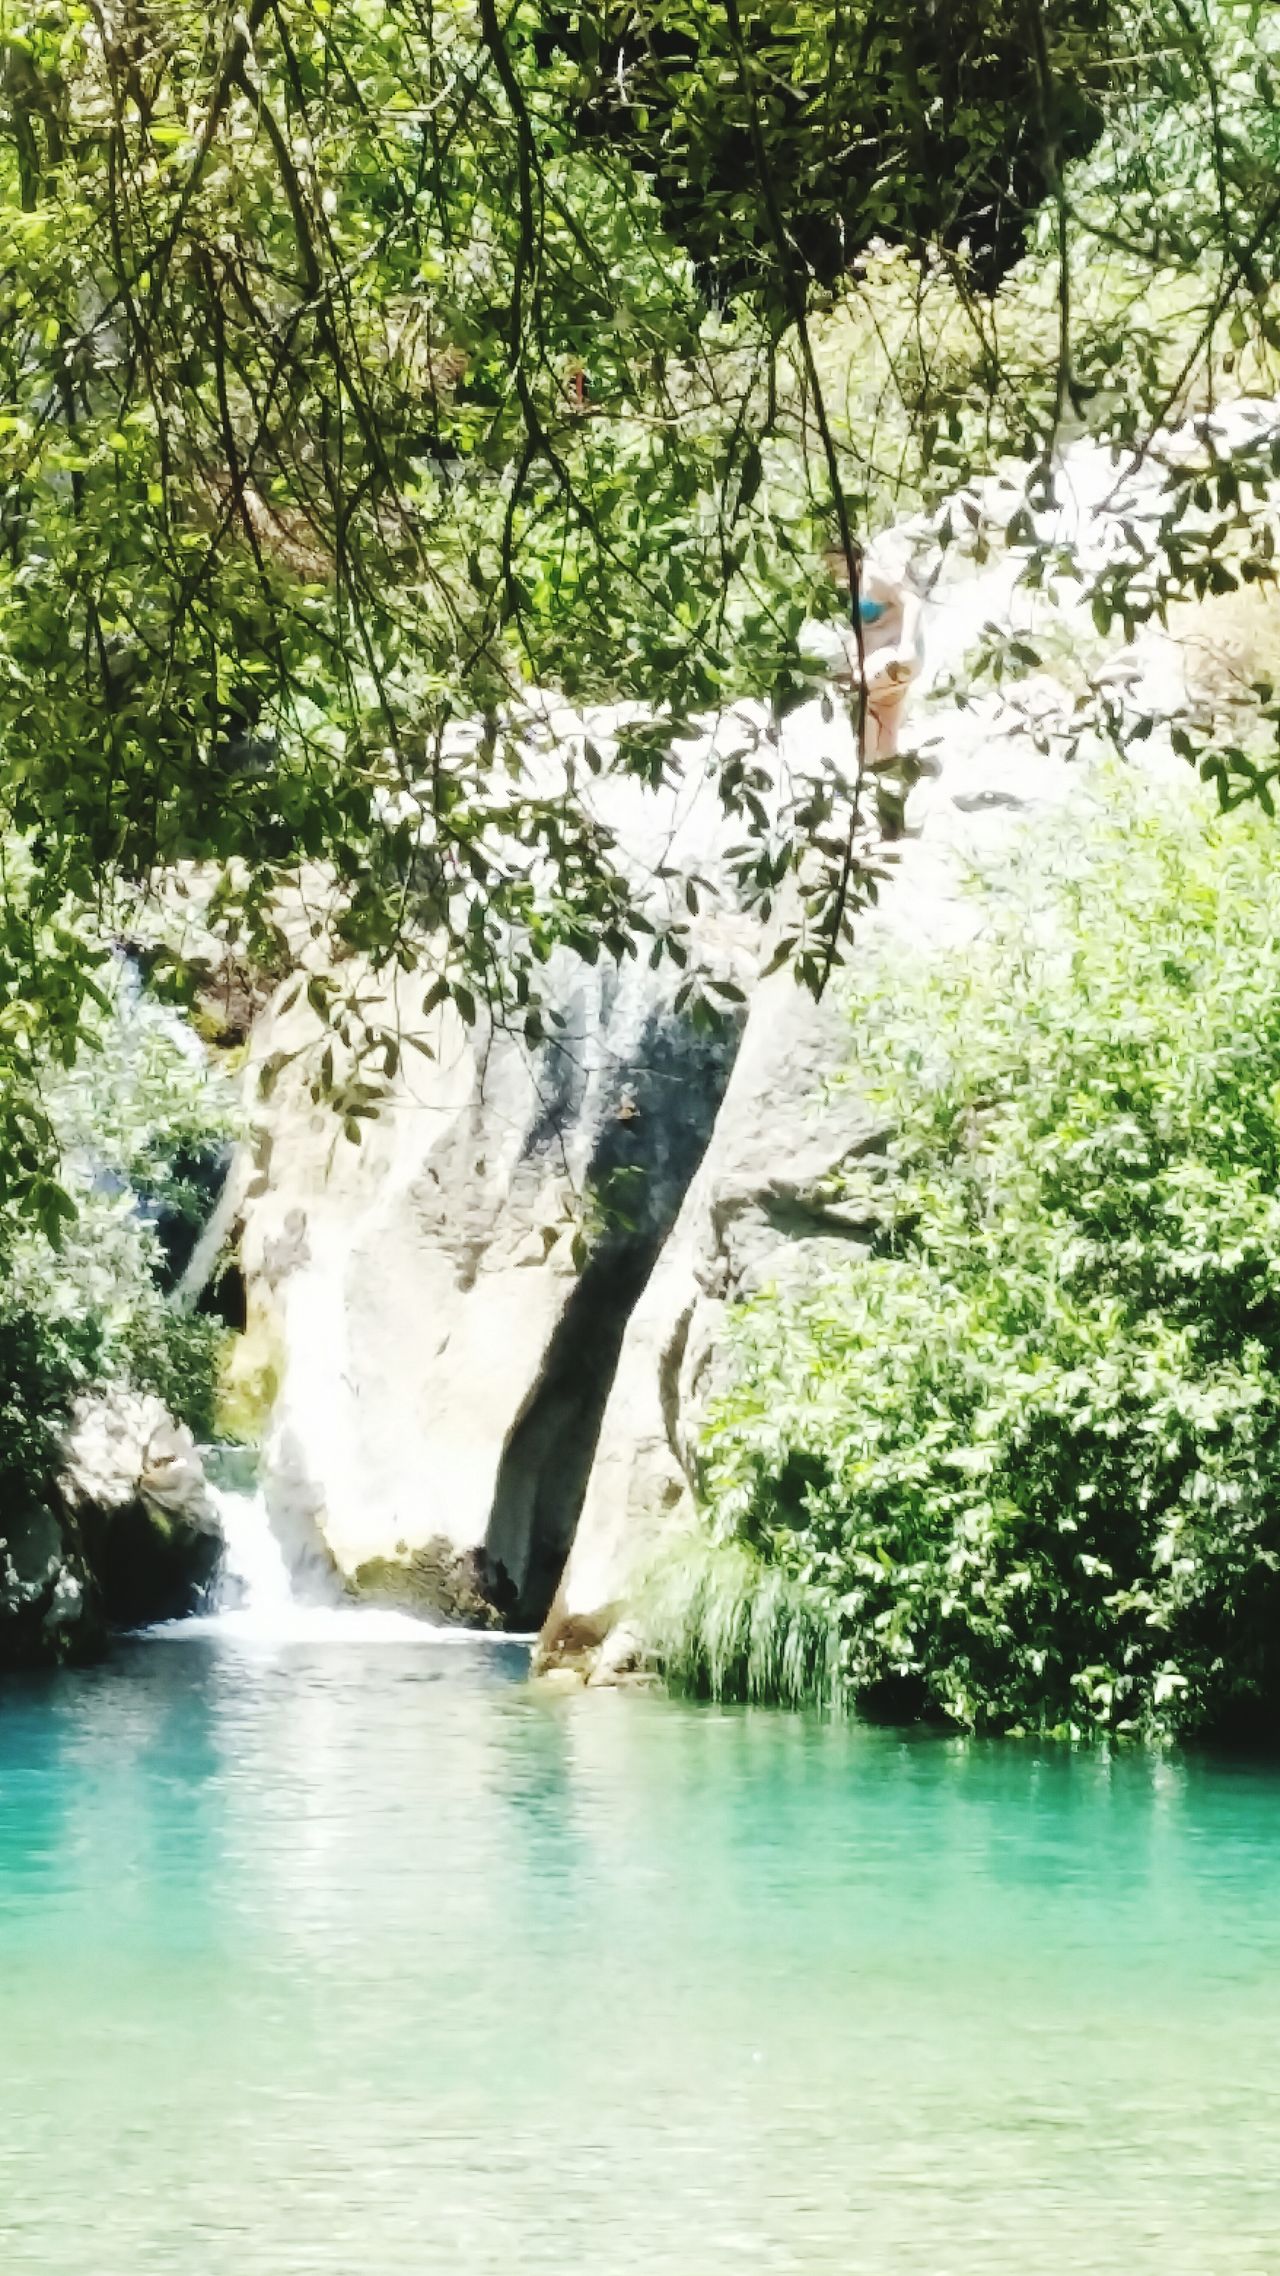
(361, 1959)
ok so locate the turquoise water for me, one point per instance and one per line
(355, 1960)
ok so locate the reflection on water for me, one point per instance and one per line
(361, 1960)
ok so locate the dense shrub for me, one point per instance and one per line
(1017, 1463)
(88, 1304)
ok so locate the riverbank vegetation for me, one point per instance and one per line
(1016, 1464)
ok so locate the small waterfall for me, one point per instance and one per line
(256, 1600)
(255, 1577)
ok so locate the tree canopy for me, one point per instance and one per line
(365, 364)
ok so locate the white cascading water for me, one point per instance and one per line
(255, 1576)
(255, 1600)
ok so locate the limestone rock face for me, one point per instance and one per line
(134, 1488)
(442, 1306)
(448, 1298)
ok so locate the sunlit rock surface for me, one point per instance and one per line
(134, 1488)
(446, 1301)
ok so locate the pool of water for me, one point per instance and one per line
(348, 1960)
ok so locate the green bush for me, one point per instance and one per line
(85, 1303)
(1018, 1461)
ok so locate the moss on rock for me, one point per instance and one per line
(438, 1581)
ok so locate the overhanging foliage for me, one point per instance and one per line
(350, 386)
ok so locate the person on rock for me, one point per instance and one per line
(892, 619)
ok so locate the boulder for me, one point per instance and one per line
(130, 1536)
(460, 1588)
(133, 1485)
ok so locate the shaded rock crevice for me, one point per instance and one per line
(546, 1462)
(646, 1153)
(670, 1366)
